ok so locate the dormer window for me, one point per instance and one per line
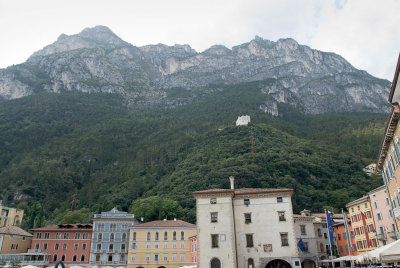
(213, 200)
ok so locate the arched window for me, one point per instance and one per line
(250, 263)
(215, 263)
(100, 236)
(124, 236)
(82, 258)
(74, 258)
(54, 257)
(63, 258)
(111, 237)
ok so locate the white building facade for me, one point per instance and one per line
(246, 228)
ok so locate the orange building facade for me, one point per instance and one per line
(69, 243)
(342, 240)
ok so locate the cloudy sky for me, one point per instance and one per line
(365, 32)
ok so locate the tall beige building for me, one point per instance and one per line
(245, 228)
(10, 216)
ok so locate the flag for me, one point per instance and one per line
(346, 226)
(366, 230)
(301, 245)
(330, 228)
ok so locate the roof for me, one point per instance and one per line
(395, 78)
(245, 191)
(14, 230)
(85, 227)
(302, 217)
(358, 201)
(390, 128)
(380, 188)
(164, 223)
(323, 215)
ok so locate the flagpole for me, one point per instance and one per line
(346, 227)
(329, 237)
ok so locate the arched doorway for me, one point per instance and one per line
(215, 263)
(161, 266)
(278, 264)
(250, 263)
(307, 263)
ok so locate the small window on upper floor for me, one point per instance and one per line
(279, 199)
(247, 202)
(213, 200)
(214, 217)
(247, 217)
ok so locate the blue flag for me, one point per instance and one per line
(330, 228)
(301, 245)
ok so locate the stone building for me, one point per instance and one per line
(10, 216)
(14, 240)
(110, 237)
(163, 243)
(245, 228)
(306, 240)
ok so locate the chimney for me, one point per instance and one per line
(141, 219)
(232, 179)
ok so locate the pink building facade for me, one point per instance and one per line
(193, 249)
(383, 216)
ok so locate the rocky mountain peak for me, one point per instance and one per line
(98, 36)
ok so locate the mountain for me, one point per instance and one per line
(96, 60)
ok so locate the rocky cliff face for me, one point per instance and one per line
(96, 60)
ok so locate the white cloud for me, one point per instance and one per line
(362, 31)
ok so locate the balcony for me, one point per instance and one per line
(381, 236)
(392, 234)
(396, 213)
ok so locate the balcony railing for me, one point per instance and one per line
(381, 236)
(396, 213)
(392, 234)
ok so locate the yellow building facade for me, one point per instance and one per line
(357, 209)
(10, 216)
(14, 240)
(160, 244)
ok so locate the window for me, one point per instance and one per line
(66, 235)
(54, 257)
(134, 236)
(110, 258)
(174, 256)
(284, 240)
(85, 236)
(182, 256)
(246, 202)
(15, 246)
(165, 235)
(165, 257)
(82, 258)
(112, 236)
(56, 246)
(75, 246)
(74, 258)
(133, 257)
(63, 258)
(214, 240)
(174, 244)
(325, 236)
(279, 199)
(155, 244)
(182, 235)
(148, 236)
(77, 236)
(45, 246)
(100, 236)
(83, 246)
(156, 237)
(344, 236)
(64, 247)
(156, 257)
(46, 235)
(133, 246)
(281, 215)
(214, 217)
(339, 237)
(379, 216)
(249, 240)
(303, 229)
(247, 217)
(250, 263)
(39, 235)
(123, 247)
(165, 244)
(213, 200)
(376, 204)
(174, 236)
(123, 236)
(148, 245)
(147, 257)
(99, 246)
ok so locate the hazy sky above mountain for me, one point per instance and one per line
(365, 32)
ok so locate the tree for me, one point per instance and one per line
(156, 208)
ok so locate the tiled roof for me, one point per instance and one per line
(65, 227)
(302, 217)
(164, 223)
(322, 215)
(14, 230)
(245, 191)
